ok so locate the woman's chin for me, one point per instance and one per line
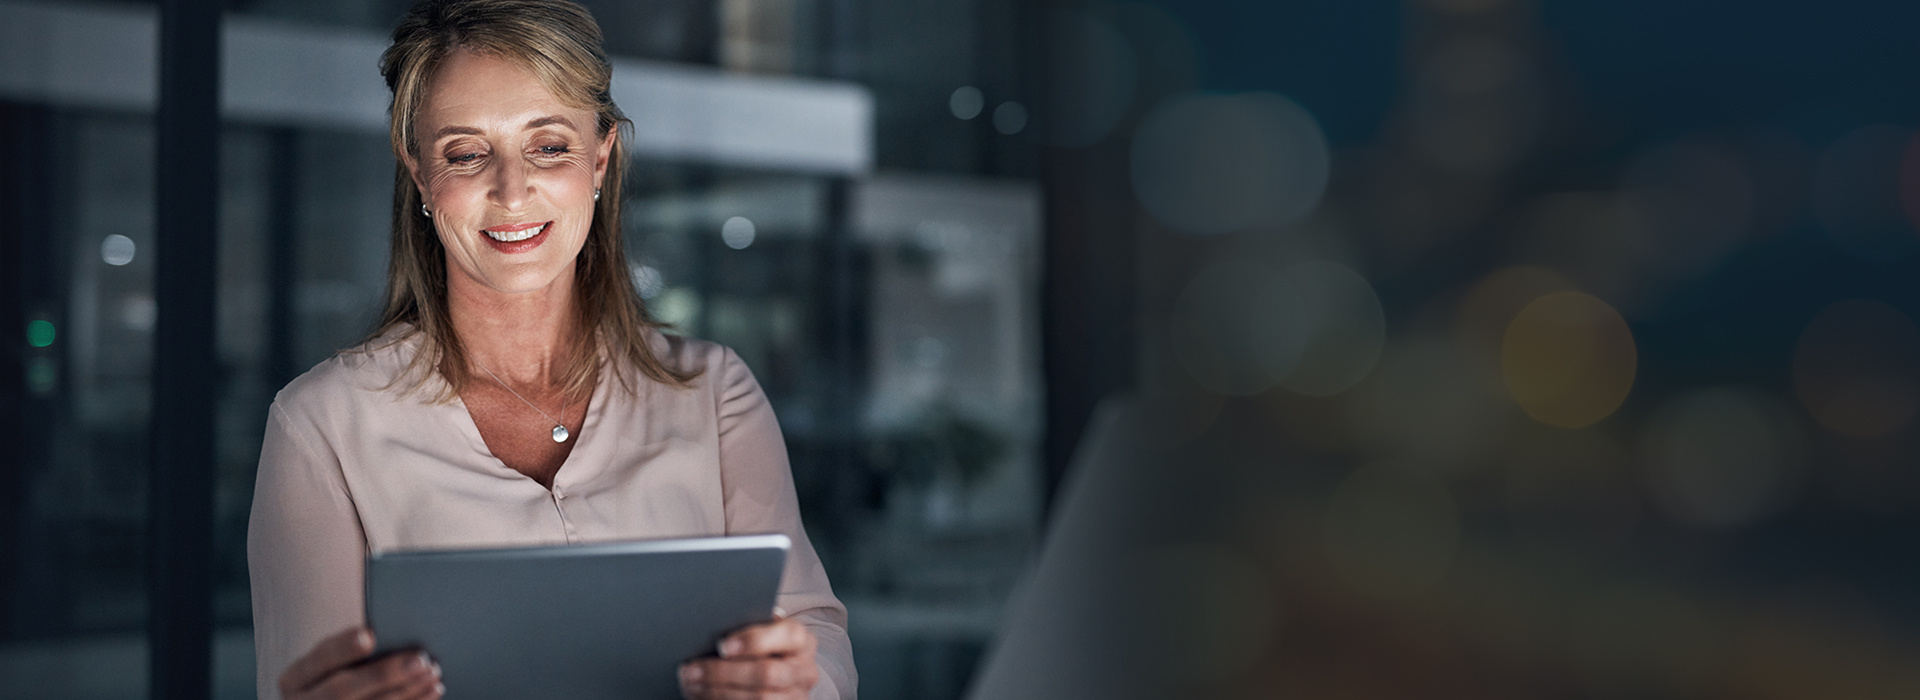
(519, 280)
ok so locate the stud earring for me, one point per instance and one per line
(596, 194)
(423, 210)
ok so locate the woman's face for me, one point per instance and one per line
(509, 173)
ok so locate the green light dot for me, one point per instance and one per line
(40, 333)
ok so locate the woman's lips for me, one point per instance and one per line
(517, 239)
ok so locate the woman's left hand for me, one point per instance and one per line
(769, 660)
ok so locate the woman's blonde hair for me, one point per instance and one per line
(560, 43)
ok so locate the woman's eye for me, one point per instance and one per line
(555, 150)
(463, 158)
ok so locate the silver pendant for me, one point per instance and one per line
(559, 433)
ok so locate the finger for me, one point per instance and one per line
(785, 636)
(693, 680)
(427, 688)
(752, 694)
(777, 673)
(380, 678)
(329, 655)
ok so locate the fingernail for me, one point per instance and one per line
(363, 639)
(691, 674)
(420, 662)
(436, 669)
(439, 689)
(729, 647)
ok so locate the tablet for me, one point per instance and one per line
(611, 620)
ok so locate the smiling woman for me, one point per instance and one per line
(516, 391)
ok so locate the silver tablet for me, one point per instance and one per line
(608, 620)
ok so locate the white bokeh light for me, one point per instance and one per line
(966, 102)
(1211, 164)
(1237, 327)
(647, 280)
(117, 250)
(1721, 457)
(1009, 118)
(737, 233)
(1343, 326)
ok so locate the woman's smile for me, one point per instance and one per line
(517, 238)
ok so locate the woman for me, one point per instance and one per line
(515, 393)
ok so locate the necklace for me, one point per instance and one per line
(559, 431)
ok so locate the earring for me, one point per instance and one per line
(423, 210)
(596, 194)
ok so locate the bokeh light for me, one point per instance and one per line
(1490, 304)
(1477, 105)
(1568, 359)
(139, 312)
(1392, 531)
(1342, 324)
(647, 280)
(43, 376)
(40, 333)
(1856, 194)
(966, 102)
(679, 307)
(1856, 368)
(1090, 79)
(1722, 457)
(1430, 399)
(1684, 207)
(117, 250)
(1237, 327)
(1009, 118)
(1209, 611)
(1211, 164)
(737, 232)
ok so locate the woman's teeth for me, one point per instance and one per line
(520, 235)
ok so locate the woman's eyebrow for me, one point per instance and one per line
(535, 123)
(446, 131)
(538, 122)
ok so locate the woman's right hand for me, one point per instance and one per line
(337, 668)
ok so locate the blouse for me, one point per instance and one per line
(353, 463)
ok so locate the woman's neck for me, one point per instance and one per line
(523, 338)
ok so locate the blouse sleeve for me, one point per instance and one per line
(757, 486)
(305, 548)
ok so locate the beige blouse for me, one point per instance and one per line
(352, 464)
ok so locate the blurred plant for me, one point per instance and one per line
(945, 442)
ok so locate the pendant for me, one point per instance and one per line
(559, 433)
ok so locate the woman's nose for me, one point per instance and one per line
(510, 187)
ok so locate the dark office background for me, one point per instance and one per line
(1435, 348)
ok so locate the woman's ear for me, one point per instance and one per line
(604, 154)
(413, 171)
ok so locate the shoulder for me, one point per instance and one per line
(373, 370)
(718, 366)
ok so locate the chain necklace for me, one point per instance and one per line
(559, 430)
